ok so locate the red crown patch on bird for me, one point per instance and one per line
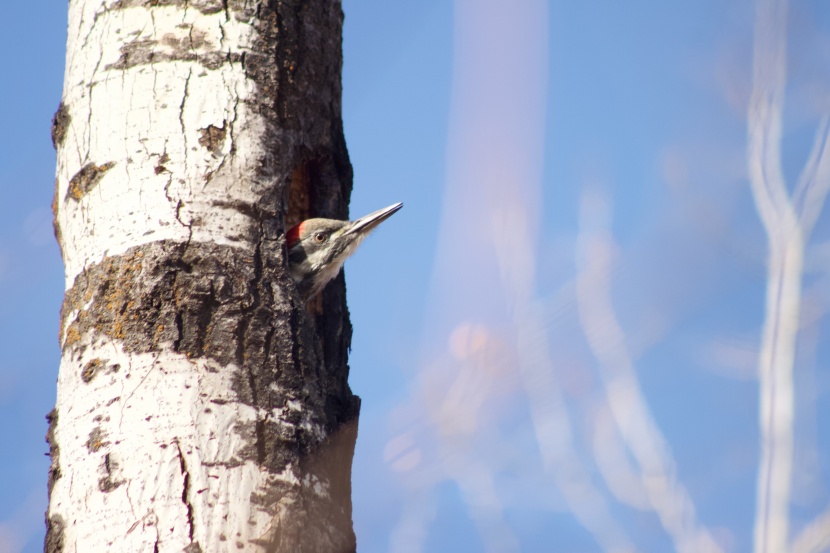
(293, 234)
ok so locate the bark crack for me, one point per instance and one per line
(179, 330)
(91, 86)
(179, 203)
(181, 113)
(186, 497)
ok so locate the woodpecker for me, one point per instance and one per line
(317, 248)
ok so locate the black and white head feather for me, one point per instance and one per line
(317, 248)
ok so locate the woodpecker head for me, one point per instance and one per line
(317, 248)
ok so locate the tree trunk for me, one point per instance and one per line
(200, 407)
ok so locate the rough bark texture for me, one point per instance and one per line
(201, 406)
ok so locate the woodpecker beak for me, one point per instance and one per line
(365, 224)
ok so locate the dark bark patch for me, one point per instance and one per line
(196, 298)
(171, 48)
(137, 52)
(112, 315)
(160, 168)
(275, 445)
(53, 543)
(246, 209)
(96, 440)
(86, 179)
(91, 369)
(108, 483)
(60, 123)
(272, 496)
(207, 300)
(124, 4)
(228, 464)
(296, 63)
(213, 138)
(196, 39)
(206, 7)
(54, 450)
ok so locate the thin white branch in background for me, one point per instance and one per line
(814, 181)
(456, 404)
(495, 159)
(614, 463)
(787, 227)
(513, 241)
(775, 376)
(765, 114)
(665, 494)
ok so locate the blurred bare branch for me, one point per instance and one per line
(814, 182)
(551, 421)
(613, 462)
(788, 223)
(492, 360)
(628, 407)
(765, 115)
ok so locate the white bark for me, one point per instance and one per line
(192, 403)
(147, 120)
(151, 458)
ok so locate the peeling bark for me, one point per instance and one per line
(202, 408)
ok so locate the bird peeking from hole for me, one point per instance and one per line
(317, 248)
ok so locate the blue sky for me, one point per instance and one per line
(626, 118)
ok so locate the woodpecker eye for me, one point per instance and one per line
(320, 237)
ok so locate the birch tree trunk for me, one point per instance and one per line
(200, 407)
